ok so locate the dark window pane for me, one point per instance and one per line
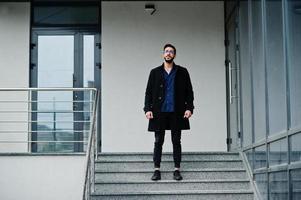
(276, 77)
(261, 182)
(230, 4)
(278, 152)
(278, 186)
(249, 155)
(295, 141)
(258, 71)
(260, 157)
(294, 59)
(245, 74)
(296, 184)
(66, 15)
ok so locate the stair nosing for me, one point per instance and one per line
(174, 181)
(171, 170)
(163, 161)
(168, 153)
(176, 192)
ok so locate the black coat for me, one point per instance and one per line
(155, 93)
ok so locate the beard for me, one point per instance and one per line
(168, 61)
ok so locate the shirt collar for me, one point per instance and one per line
(174, 67)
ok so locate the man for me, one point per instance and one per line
(168, 106)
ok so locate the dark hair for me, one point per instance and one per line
(170, 45)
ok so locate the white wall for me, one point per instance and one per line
(14, 68)
(53, 177)
(132, 43)
(14, 40)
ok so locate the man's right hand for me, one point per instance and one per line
(149, 115)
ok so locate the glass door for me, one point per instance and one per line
(232, 64)
(62, 59)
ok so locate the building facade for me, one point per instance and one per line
(243, 61)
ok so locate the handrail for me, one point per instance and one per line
(91, 153)
(49, 89)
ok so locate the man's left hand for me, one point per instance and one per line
(187, 114)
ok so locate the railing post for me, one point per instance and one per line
(28, 123)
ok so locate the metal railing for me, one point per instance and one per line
(46, 120)
(91, 155)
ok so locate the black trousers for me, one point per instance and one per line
(177, 149)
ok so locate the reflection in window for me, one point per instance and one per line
(278, 186)
(89, 61)
(294, 59)
(261, 181)
(249, 155)
(88, 77)
(295, 141)
(260, 157)
(276, 77)
(55, 69)
(245, 74)
(258, 71)
(296, 186)
(278, 152)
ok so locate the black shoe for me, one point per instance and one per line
(177, 175)
(157, 175)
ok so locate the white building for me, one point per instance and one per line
(242, 57)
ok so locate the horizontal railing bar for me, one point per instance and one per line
(36, 111)
(57, 131)
(45, 121)
(47, 89)
(42, 101)
(61, 132)
(39, 141)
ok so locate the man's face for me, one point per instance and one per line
(169, 54)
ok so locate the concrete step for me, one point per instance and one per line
(139, 165)
(201, 174)
(186, 156)
(178, 195)
(171, 185)
(207, 176)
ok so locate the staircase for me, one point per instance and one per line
(210, 176)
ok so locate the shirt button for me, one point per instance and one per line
(161, 85)
(159, 98)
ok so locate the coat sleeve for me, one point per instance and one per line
(148, 104)
(189, 93)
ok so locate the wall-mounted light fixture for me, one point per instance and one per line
(150, 8)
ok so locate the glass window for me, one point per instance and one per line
(295, 184)
(260, 157)
(88, 60)
(278, 152)
(276, 77)
(230, 4)
(249, 155)
(258, 71)
(261, 182)
(245, 74)
(294, 59)
(295, 152)
(88, 77)
(78, 15)
(55, 69)
(278, 186)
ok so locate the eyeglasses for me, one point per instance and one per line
(169, 51)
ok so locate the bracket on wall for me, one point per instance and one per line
(150, 8)
(98, 44)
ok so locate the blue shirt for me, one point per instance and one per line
(169, 103)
